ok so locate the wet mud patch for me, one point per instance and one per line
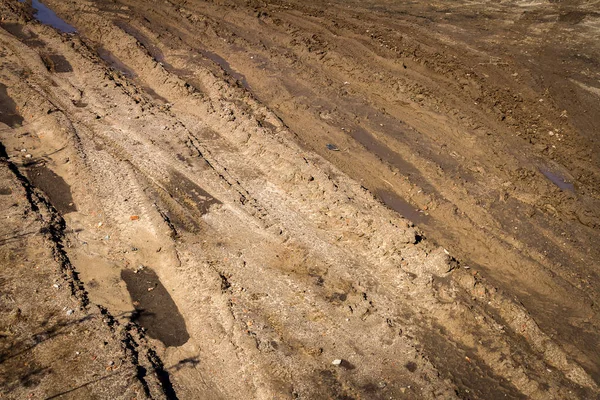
(8, 109)
(152, 49)
(473, 377)
(155, 310)
(30, 39)
(53, 186)
(190, 195)
(402, 207)
(56, 63)
(224, 64)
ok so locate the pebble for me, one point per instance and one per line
(69, 312)
(337, 362)
(56, 286)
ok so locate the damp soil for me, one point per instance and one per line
(8, 109)
(402, 207)
(54, 186)
(155, 310)
(56, 63)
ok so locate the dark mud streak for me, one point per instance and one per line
(190, 195)
(472, 377)
(54, 230)
(361, 134)
(155, 310)
(113, 62)
(54, 186)
(30, 39)
(402, 207)
(8, 109)
(224, 64)
(56, 63)
(153, 50)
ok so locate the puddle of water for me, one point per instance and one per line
(55, 187)
(47, 17)
(558, 180)
(8, 109)
(155, 310)
(226, 67)
(402, 207)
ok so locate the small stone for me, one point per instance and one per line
(23, 150)
(70, 312)
(150, 289)
(332, 147)
(337, 362)
(56, 286)
(28, 156)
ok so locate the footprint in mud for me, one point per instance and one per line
(155, 310)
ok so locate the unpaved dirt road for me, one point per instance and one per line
(292, 199)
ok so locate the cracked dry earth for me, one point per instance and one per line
(290, 199)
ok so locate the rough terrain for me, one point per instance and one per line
(291, 199)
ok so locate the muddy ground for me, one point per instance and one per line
(291, 199)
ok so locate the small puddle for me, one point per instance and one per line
(155, 310)
(54, 186)
(8, 109)
(558, 180)
(402, 207)
(47, 17)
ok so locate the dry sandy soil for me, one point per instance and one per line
(300, 199)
